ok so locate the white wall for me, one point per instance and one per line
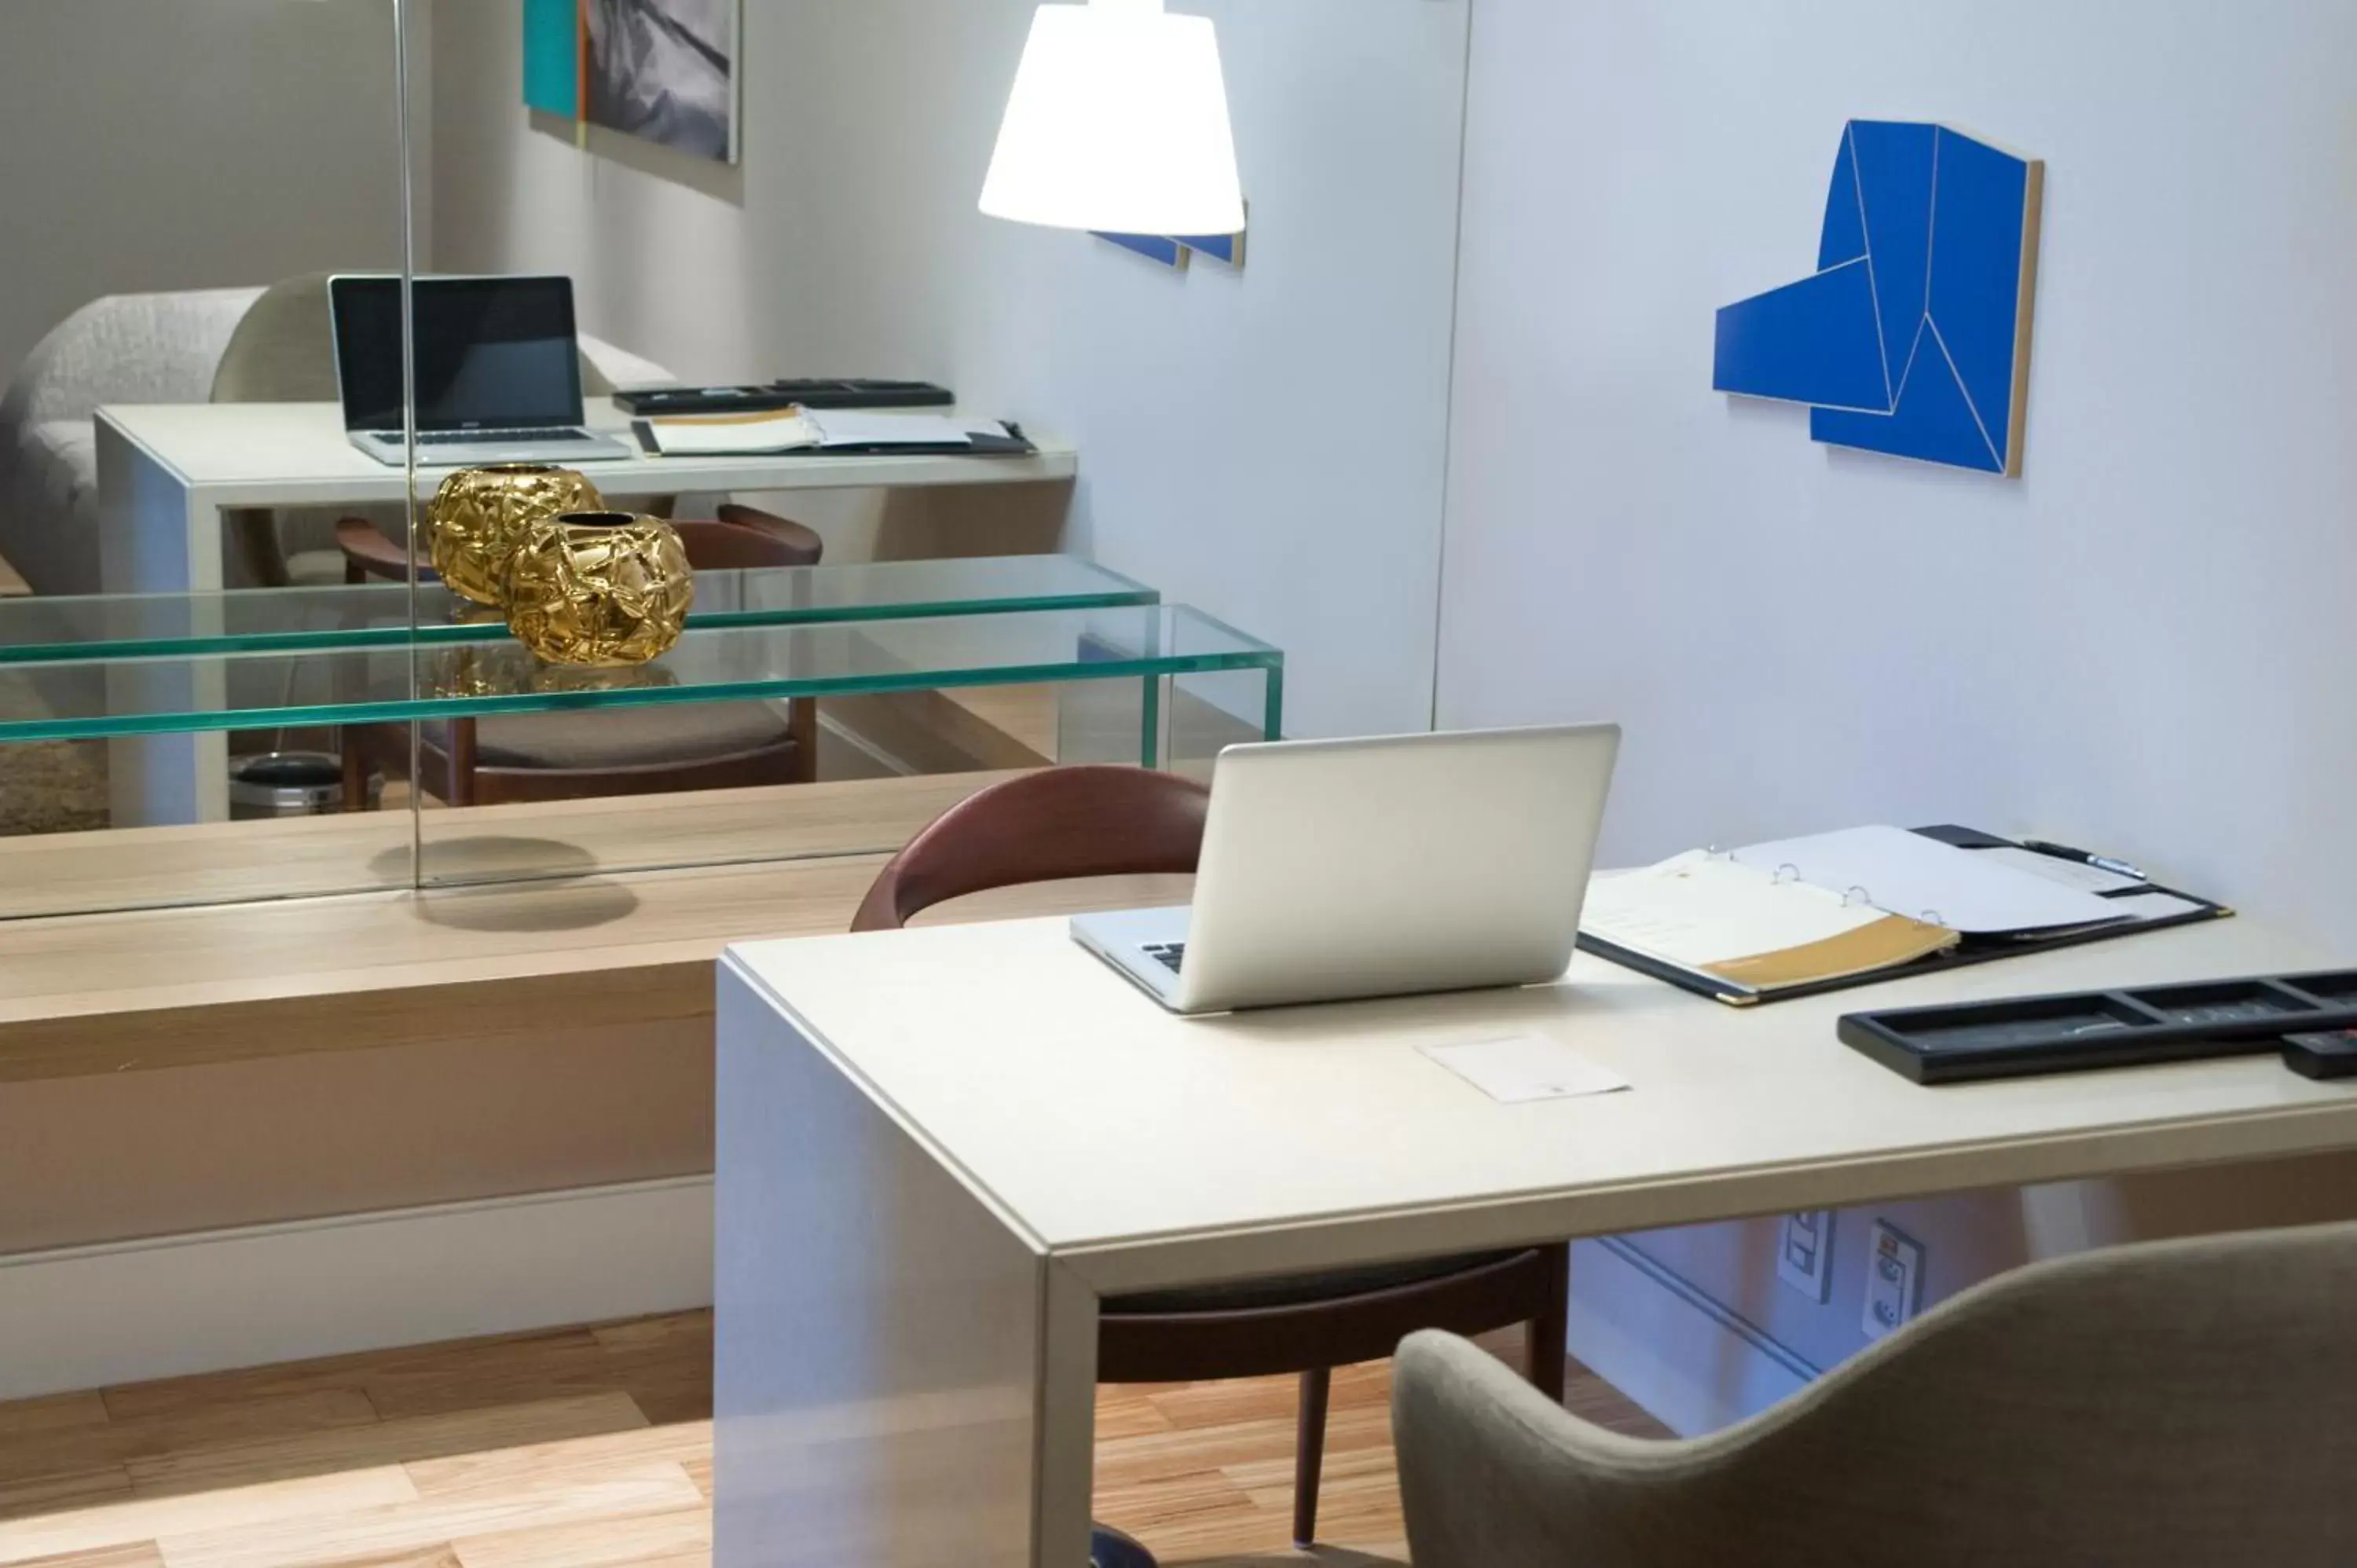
(2140, 644)
(151, 144)
(2137, 645)
(1268, 446)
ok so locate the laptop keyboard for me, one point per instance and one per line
(1170, 955)
(534, 433)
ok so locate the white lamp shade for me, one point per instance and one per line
(1118, 122)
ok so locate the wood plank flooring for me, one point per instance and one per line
(592, 1448)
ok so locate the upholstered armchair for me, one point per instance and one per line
(2181, 1404)
(125, 347)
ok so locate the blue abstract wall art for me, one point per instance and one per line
(1912, 336)
(1173, 251)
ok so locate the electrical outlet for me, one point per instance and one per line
(1805, 1250)
(1894, 1280)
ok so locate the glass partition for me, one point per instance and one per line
(184, 178)
(245, 654)
(940, 632)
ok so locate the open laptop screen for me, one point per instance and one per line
(492, 353)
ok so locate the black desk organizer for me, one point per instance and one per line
(2015, 1037)
(774, 396)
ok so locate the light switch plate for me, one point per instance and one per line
(1894, 1280)
(1804, 1250)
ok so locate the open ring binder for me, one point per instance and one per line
(1775, 920)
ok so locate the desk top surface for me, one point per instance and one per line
(270, 451)
(1126, 1137)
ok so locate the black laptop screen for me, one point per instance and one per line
(491, 352)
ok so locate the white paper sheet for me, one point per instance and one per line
(1514, 1069)
(860, 427)
(2054, 868)
(1907, 874)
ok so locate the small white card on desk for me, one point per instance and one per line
(2156, 906)
(1516, 1068)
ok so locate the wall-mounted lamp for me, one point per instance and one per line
(1119, 121)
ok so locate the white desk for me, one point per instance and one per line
(167, 470)
(939, 1148)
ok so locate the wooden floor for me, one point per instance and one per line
(592, 1448)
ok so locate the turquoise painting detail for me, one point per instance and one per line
(552, 57)
(1912, 336)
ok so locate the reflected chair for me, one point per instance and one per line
(2181, 1404)
(504, 758)
(1064, 823)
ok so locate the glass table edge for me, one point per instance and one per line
(19, 655)
(422, 709)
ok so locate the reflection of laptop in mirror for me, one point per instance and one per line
(499, 371)
(1333, 870)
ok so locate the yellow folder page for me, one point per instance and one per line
(1756, 929)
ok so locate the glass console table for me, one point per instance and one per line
(931, 676)
(252, 620)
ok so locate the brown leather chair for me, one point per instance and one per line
(504, 759)
(1068, 822)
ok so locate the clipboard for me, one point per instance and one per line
(1971, 950)
(1014, 444)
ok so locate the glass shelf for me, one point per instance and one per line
(256, 620)
(360, 685)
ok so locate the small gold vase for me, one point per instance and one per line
(600, 588)
(479, 516)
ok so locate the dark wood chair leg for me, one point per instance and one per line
(1552, 1327)
(461, 788)
(1309, 1455)
(347, 741)
(802, 722)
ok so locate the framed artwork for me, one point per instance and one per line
(1912, 336)
(665, 70)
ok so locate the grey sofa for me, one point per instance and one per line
(129, 348)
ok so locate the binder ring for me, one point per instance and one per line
(1856, 896)
(1931, 917)
(1787, 872)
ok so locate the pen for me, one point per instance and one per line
(2100, 862)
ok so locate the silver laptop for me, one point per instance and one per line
(1338, 869)
(498, 378)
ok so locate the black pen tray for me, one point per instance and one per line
(2070, 1031)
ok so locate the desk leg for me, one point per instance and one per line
(155, 537)
(901, 1378)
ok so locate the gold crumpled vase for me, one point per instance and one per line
(479, 516)
(509, 670)
(600, 589)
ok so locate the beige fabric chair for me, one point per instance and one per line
(283, 351)
(2186, 1404)
(124, 348)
